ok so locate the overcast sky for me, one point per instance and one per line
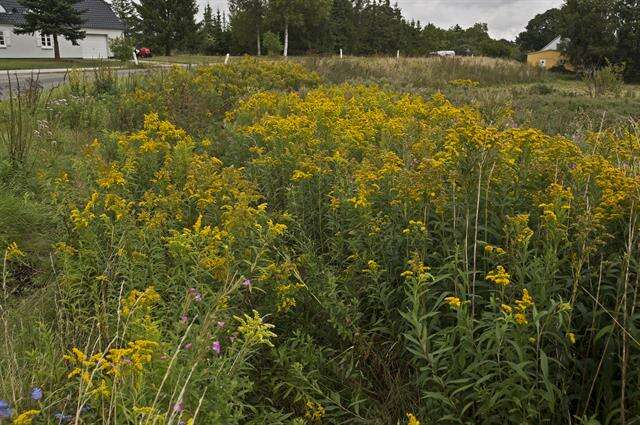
(506, 18)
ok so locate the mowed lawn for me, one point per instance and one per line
(13, 64)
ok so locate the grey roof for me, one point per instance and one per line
(98, 14)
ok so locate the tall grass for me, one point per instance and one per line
(424, 72)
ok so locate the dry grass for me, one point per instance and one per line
(425, 72)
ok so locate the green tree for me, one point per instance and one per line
(272, 43)
(53, 17)
(169, 24)
(342, 28)
(539, 32)
(186, 29)
(156, 24)
(627, 14)
(207, 31)
(126, 11)
(293, 14)
(588, 28)
(249, 17)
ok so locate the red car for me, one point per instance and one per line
(143, 52)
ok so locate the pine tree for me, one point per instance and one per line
(169, 24)
(55, 18)
(186, 28)
(156, 24)
(207, 31)
(248, 16)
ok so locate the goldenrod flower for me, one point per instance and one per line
(499, 276)
(26, 418)
(454, 302)
(412, 419)
(12, 252)
(524, 303)
(521, 319)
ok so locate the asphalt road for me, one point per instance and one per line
(48, 80)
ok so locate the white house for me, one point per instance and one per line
(100, 23)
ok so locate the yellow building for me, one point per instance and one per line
(549, 56)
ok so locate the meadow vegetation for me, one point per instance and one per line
(320, 241)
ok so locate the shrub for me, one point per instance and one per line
(606, 80)
(272, 43)
(122, 48)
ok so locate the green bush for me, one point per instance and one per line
(122, 48)
(606, 80)
(272, 44)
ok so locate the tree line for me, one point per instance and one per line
(358, 27)
(595, 33)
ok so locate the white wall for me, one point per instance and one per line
(27, 46)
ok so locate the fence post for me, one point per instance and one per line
(226, 59)
(340, 53)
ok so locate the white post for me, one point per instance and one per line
(226, 59)
(135, 57)
(398, 55)
(340, 53)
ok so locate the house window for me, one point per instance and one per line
(543, 63)
(46, 40)
(3, 42)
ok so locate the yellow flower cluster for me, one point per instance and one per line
(522, 305)
(499, 276)
(464, 83)
(489, 249)
(255, 330)
(26, 418)
(412, 419)
(454, 302)
(140, 300)
(13, 252)
(314, 411)
(102, 367)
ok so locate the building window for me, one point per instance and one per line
(543, 63)
(46, 40)
(3, 42)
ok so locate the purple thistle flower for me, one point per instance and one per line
(216, 346)
(247, 283)
(37, 393)
(197, 296)
(221, 324)
(188, 346)
(184, 319)
(178, 407)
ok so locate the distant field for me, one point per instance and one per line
(12, 64)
